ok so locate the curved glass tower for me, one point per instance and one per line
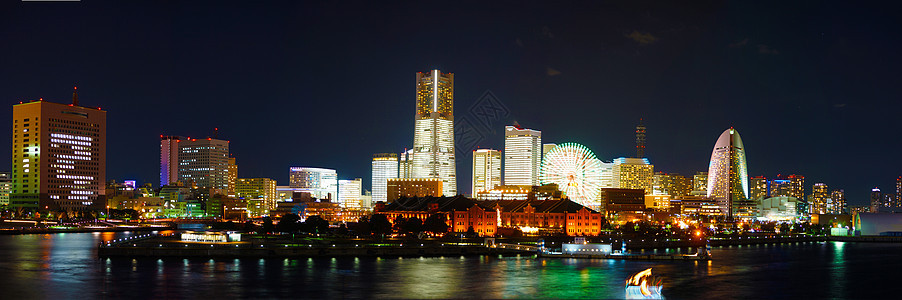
(728, 179)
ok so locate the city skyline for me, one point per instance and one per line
(140, 107)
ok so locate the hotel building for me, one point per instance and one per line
(349, 193)
(728, 180)
(633, 173)
(522, 156)
(257, 188)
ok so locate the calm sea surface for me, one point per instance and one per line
(65, 266)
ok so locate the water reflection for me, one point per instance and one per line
(66, 266)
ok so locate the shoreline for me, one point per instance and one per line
(79, 230)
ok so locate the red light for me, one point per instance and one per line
(75, 88)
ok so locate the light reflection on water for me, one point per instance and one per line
(66, 266)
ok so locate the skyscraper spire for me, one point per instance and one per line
(640, 140)
(75, 96)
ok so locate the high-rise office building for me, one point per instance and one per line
(257, 188)
(486, 170)
(385, 166)
(640, 140)
(204, 163)
(838, 204)
(404, 165)
(59, 156)
(633, 173)
(350, 192)
(6, 186)
(820, 198)
(169, 159)
(522, 155)
(875, 200)
(433, 140)
(758, 188)
(233, 176)
(728, 179)
(320, 183)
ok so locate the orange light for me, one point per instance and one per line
(698, 233)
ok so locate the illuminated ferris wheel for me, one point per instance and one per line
(576, 171)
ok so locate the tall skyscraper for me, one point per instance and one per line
(486, 170)
(758, 188)
(728, 179)
(839, 202)
(433, 140)
(820, 198)
(169, 159)
(59, 156)
(385, 166)
(899, 192)
(350, 192)
(233, 176)
(640, 140)
(633, 173)
(522, 155)
(320, 183)
(204, 163)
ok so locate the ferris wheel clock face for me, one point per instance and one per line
(576, 171)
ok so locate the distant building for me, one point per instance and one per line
(758, 188)
(320, 183)
(522, 156)
(788, 186)
(633, 173)
(779, 208)
(876, 200)
(58, 156)
(404, 164)
(699, 206)
(204, 163)
(672, 184)
(257, 188)
(349, 193)
(233, 176)
(385, 166)
(486, 170)
(6, 186)
(838, 202)
(700, 184)
(615, 200)
(521, 192)
(433, 140)
(169, 159)
(640, 140)
(413, 187)
(727, 172)
(546, 148)
(487, 217)
(820, 199)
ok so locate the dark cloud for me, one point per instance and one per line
(764, 49)
(740, 44)
(552, 72)
(547, 32)
(642, 38)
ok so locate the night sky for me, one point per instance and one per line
(813, 88)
